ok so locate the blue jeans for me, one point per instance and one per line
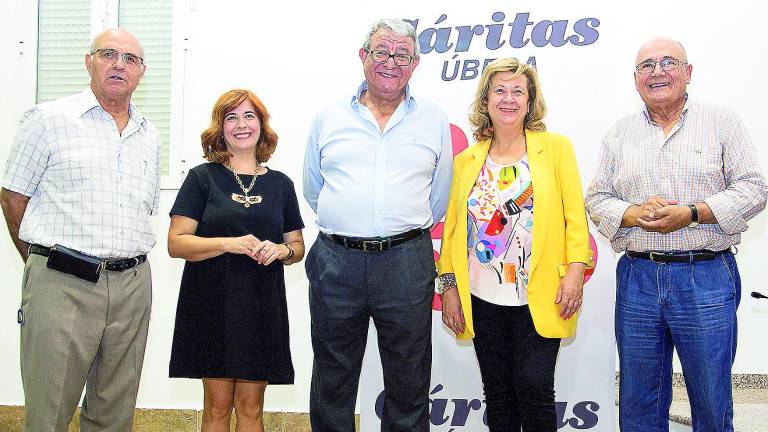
(347, 287)
(690, 307)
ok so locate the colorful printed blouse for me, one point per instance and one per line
(500, 226)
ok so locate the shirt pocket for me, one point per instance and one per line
(705, 162)
(140, 177)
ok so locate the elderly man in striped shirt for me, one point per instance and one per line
(81, 182)
(674, 189)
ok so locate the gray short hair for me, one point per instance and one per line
(399, 27)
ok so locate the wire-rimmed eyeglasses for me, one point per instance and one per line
(668, 64)
(378, 56)
(111, 55)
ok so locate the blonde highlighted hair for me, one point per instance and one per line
(482, 127)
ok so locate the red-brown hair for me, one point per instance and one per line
(214, 147)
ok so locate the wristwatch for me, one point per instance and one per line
(694, 216)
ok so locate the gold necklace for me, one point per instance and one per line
(244, 199)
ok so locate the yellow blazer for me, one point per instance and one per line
(560, 233)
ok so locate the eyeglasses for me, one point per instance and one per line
(668, 64)
(379, 56)
(111, 55)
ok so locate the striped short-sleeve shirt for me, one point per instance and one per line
(91, 188)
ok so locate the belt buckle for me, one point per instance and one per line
(373, 245)
(651, 256)
(130, 265)
(105, 264)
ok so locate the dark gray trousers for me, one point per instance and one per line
(347, 287)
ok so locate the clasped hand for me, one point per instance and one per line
(263, 252)
(661, 215)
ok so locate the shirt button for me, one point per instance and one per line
(122, 232)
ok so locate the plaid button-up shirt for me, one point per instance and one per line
(91, 188)
(707, 157)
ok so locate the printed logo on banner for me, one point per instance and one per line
(515, 33)
(581, 415)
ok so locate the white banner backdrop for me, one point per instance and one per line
(584, 377)
(455, 46)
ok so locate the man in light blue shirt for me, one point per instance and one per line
(377, 172)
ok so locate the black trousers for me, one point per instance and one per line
(348, 287)
(517, 366)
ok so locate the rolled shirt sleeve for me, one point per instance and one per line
(603, 205)
(746, 192)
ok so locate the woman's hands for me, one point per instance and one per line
(240, 245)
(453, 316)
(266, 252)
(263, 252)
(570, 293)
(183, 243)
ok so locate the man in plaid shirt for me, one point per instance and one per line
(674, 189)
(84, 174)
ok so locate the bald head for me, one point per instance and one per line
(662, 84)
(116, 34)
(114, 68)
(661, 43)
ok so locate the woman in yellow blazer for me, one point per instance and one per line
(514, 248)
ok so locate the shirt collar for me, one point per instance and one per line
(410, 100)
(88, 102)
(682, 113)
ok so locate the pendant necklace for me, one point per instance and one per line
(244, 199)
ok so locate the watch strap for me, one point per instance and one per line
(694, 213)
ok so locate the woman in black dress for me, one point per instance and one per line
(237, 223)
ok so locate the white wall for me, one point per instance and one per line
(297, 57)
(17, 92)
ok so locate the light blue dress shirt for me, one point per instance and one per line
(363, 182)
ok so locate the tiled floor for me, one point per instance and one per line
(750, 409)
(750, 404)
(12, 418)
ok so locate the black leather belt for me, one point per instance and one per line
(116, 265)
(678, 257)
(375, 244)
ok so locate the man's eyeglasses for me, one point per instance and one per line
(668, 64)
(111, 55)
(379, 56)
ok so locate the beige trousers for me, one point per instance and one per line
(75, 334)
